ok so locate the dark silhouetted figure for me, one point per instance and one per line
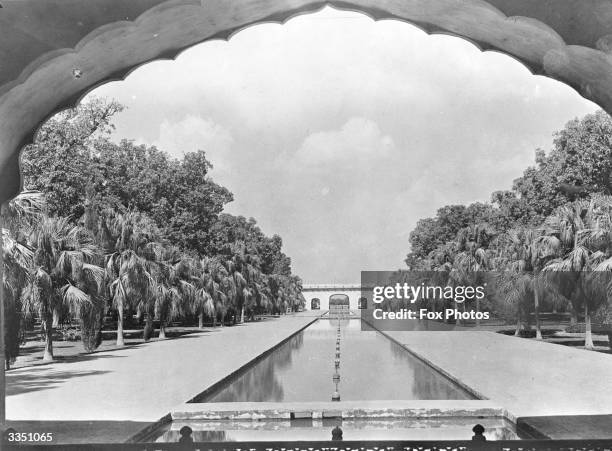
(186, 440)
(336, 434)
(478, 431)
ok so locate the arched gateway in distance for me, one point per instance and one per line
(324, 292)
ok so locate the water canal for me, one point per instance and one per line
(372, 368)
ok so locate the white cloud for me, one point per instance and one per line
(196, 133)
(342, 132)
(358, 139)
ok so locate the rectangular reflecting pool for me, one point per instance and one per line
(372, 367)
(386, 393)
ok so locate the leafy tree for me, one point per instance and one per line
(580, 163)
(59, 163)
(511, 211)
(433, 233)
(176, 194)
(229, 229)
(425, 238)
(197, 203)
(73, 160)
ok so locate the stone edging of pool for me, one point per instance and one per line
(256, 411)
(212, 388)
(435, 367)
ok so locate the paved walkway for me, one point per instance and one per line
(144, 383)
(527, 377)
(141, 383)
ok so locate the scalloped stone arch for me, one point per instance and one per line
(53, 53)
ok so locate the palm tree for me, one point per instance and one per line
(443, 257)
(283, 292)
(25, 209)
(529, 251)
(64, 272)
(203, 304)
(16, 262)
(261, 297)
(17, 216)
(243, 266)
(214, 284)
(174, 292)
(585, 228)
(568, 224)
(130, 238)
(296, 299)
(205, 291)
(516, 289)
(473, 257)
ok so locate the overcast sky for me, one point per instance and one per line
(339, 133)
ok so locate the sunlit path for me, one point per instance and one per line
(527, 377)
(142, 383)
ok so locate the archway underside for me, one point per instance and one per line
(54, 52)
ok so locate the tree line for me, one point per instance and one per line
(104, 227)
(549, 237)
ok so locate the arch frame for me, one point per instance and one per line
(544, 40)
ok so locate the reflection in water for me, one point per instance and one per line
(372, 368)
(173, 436)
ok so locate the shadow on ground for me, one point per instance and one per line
(41, 378)
(39, 375)
(69, 352)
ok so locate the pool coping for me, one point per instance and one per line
(316, 410)
(241, 370)
(479, 396)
